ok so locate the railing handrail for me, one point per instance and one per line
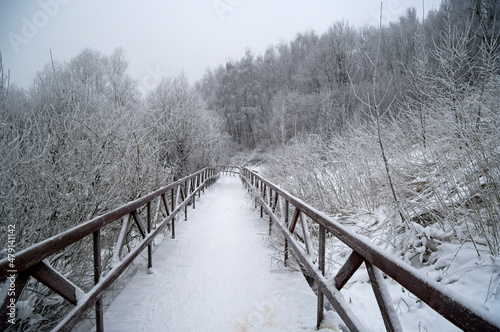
(34, 254)
(448, 304)
(30, 262)
(452, 306)
(229, 169)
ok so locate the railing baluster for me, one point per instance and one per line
(270, 204)
(186, 195)
(99, 324)
(383, 297)
(121, 239)
(307, 236)
(321, 266)
(139, 223)
(198, 184)
(173, 209)
(287, 209)
(263, 193)
(347, 270)
(193, 190)
(164, 199)
(294, 220)
(150, 246)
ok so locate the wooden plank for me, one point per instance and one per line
(384, 300)
(347, 270)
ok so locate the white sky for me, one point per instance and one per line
(167, 37)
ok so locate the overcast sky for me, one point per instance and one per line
(167, 37)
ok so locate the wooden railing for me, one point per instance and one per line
(290, 213)
(224, 169)
(167, 203)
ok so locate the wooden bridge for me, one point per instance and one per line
(151, 215)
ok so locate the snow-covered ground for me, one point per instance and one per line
(216, 275)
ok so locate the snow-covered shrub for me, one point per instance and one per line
(80, 143)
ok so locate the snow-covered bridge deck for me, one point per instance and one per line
(216, 275)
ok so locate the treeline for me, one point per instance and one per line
(398, 123)
(82, 141)
(317, 84)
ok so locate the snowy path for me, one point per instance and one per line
(215, 276)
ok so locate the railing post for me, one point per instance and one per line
(172, 193)
(198, 178)
(263, 194)
(271, 205)
(204, 179)
(287, 209)
(99, 324)
(193, 187)
(185, 198)
(321, 266)
(150, 246)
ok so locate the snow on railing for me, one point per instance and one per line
(278, 203)
(33, 261)
(224, 169)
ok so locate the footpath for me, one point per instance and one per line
(216, 275)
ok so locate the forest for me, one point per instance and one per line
(399, 119)
(399, 122)
(80, 142)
